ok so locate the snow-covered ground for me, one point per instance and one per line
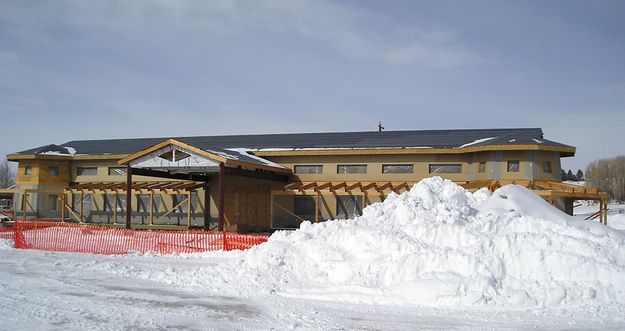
(616, 213)
(437, 257)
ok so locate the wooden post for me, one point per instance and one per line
(24, 197)
(222, 175)
(115, 209)
(207, 206)
(317, 208)
(82, 196)
(151, 206)
(128, 197)
(601, 211)
(63, 207)
(188, 209)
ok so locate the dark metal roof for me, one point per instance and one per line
(330, 140)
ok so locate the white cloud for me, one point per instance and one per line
(351, 32)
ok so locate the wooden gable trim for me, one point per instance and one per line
(199, 151)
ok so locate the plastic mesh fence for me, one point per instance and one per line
(67, 237)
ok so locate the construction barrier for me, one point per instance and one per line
(69, 237)
(6, 232)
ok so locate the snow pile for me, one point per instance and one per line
(441, 245)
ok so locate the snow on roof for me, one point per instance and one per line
(478, 141)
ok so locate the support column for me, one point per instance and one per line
(222, 178)
(207, 206)
(317, 208)
(128, 196)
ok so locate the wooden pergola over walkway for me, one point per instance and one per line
(549, 190)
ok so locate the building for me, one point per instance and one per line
(273, 181)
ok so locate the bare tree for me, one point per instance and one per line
(7, 176)
(609, 176)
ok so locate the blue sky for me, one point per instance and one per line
(109, 69)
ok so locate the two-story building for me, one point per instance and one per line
(273, 181)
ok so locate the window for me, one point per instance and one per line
(174, 155)
(28, 170)
(482, 167)
(109, 202)
(397, 168)
(53, 171)
(304, 207)
(351, 169)
(117, 171)
(308, 169)
(445, 168)
(513, 166)
(178, 198)
(143, 203)
(86, 171)
(53, 202)
(547, 166)
(348, 206)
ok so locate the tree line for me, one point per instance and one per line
(568, 175)
(7, 176)
(608, 175)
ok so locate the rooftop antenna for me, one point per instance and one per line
(380, 127)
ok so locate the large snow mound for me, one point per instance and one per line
(441, 245)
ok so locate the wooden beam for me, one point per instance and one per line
(323, 186)
(165, 174)
(222, 179)
(207, 206)
(353, 186)
(293, 186)
(129, 171)
(369, 186)
(279, 177)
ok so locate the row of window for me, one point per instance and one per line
(513, 166)
(454, 168)
(80, 171)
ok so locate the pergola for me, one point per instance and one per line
(547, 189)
(177, 160)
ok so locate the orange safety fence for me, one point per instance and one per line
(69, 237)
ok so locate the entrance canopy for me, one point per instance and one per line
(175, 159)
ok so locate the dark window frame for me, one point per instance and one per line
(481, 167)
(344, 168)
(510, 166)
(547, 168)
(442, 166)
(299, 169)
(386, 167)
(53, 171)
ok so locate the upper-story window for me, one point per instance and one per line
(351, 168)
(28, 170)
(86, 171)
(53, 171)
(513, 166)
(547, 166)
(445, 168)
(482, 167)
(397, 168)
(117, 171)
(309, 169)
